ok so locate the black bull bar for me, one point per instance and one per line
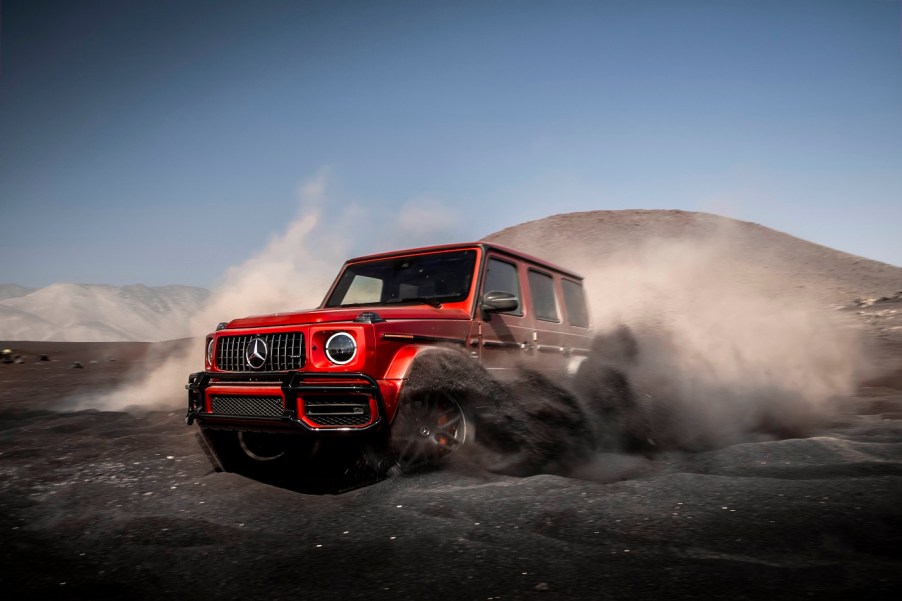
(292, 384)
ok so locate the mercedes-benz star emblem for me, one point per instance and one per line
(255, 354)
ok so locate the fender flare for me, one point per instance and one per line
(399, 370)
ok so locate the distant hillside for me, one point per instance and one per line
(14, 290)
(97, 313)
(769, 261)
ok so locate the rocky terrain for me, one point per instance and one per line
(114, 504)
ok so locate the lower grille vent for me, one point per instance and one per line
(334, 410)
(249, 406)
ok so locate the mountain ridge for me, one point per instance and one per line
(68, 312)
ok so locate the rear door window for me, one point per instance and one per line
(544, 302)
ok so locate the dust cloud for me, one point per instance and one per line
(725, 351)
(292, 272)
(696, 348)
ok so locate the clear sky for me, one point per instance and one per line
(160, 142)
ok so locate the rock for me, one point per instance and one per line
(77, 365)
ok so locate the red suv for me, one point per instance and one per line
(386, 358)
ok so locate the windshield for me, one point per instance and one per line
(430, 279)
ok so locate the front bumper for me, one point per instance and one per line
(285, 402)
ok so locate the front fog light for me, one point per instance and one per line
(341, 348)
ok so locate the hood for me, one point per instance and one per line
(345, 314)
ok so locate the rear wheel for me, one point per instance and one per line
(428, 429)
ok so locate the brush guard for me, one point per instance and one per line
(293, 386)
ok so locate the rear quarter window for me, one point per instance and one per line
(575, 302)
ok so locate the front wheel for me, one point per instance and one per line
(261, 447)
(429, 428)
(255, 454)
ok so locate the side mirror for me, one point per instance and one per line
(498, 302)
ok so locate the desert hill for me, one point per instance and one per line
(590, 238)
(639, 262)
(98, 313)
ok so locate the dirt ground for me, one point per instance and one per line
(111, 505)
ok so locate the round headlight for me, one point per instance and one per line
(210, 351)
(341, 348)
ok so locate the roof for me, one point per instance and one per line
(486, 246)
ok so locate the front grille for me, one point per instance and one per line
(284, 351)
(249, 406)
(334, 410)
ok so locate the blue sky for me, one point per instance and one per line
(160, 142)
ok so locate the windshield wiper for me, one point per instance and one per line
(426, 300)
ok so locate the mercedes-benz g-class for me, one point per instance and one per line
(274, 386)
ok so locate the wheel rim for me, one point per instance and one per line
(428, 430)
(260, 447)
